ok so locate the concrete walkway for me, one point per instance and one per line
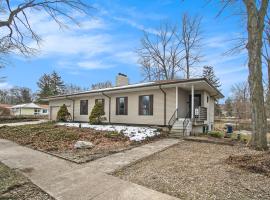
(24, 123)
(69, 181)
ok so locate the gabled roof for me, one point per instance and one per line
(5, 105)
(143, 85)
(44, 106)
(27, 105)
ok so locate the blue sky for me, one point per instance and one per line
(106, 41)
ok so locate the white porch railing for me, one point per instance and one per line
(200, 113)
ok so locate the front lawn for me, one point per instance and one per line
(15, 119)
(193, 170)
(60, 140)
(14, 185)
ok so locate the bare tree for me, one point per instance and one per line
(101, 85)
(191, 39)
(256, 12)
(16, 29)
(241, 102)
(160, 54)
(71, 88)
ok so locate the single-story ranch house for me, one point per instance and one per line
(186, 105)
(29, 109)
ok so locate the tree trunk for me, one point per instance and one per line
(187, 63)
(268, 68)
(255, 31)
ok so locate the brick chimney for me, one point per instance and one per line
(121, 80)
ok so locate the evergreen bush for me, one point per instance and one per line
(63, 115)
(96, 114)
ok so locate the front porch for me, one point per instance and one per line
(191, 111)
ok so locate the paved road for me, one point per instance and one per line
(69, 181)
(24, 123)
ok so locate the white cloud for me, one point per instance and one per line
(91, 64)
(5, 85)
(135, 24)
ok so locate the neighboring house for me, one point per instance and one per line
(8, 106)
(29, 109)
(186, 106)
(44, 109)
(5, 109)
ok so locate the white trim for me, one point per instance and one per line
(176, 98)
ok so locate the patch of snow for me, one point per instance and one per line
(134, 133)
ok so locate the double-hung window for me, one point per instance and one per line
(121, 106)
(146, 105)
(84, 107)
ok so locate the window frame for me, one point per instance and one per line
(117, 111)
(150, 106)
(81, 108)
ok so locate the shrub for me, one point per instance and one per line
(215, 134)
(97, 113)
(63, 115)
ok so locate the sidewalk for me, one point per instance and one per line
(67, 181)
(24, 123)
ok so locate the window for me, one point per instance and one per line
(102, 101)
(36, 111)
(207, 99)
(146, 105)
(121, 106)
(44, 111)
(84, 107)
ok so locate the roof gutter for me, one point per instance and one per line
(165, 102)
(109, 105)
(73, 106)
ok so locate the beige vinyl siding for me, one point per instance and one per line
(210, 105)
(56, 104)
(171, 102)
(91, 103)
(133, 116)
(133, 108)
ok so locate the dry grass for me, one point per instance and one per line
(194, 170)
(254, 163)
(14, 185)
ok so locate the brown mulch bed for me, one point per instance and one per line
(13, 185)
(60, 140)
(194, 170)
(208, 139)
(259, 163)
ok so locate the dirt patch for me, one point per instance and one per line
(254, 163)
(60, 140)
(14, 185)
(192, 170)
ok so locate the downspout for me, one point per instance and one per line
(73, 105)
(109, 105)
(165, 110)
